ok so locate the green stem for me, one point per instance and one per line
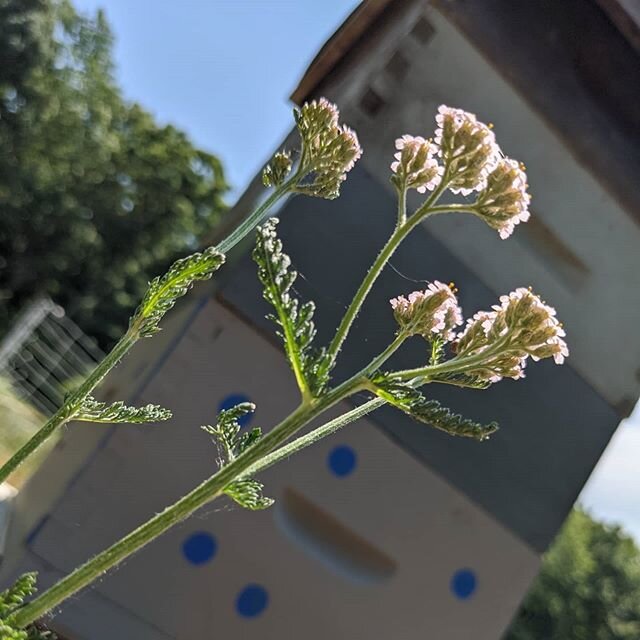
(71, 405)
(310, 438)
(250, 222)
(210, 488)
(201, 495)
(399, 234)
(458, 364)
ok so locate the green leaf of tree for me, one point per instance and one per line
(296, 320)
(431, 412)
(94, 411)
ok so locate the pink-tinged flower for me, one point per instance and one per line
(428, 313)
(467, 147)
(503, 339)
(329, 150)
(504, 202)
(415, 166)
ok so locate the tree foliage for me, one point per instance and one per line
(96, 198)
(588, 588)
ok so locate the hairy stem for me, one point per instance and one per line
(201, 495)
(251, 221)
(212, 487)
(71, 405)
(400, 233)
(74, 401)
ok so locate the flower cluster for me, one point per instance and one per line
(504, 202)
(432, 311)
(277, 170)
(415, 166)
(522, 325)
(329, 150)
(467, 147)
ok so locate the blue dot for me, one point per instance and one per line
(199, 548)
(252, 601)
(464, 583)
(231, 401)
(342, 460)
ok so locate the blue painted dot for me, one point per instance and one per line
(252, 601)
(199, 548)
(231, 401)
(464, 583)
(342, 460)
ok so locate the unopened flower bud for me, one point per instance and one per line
(467, 147)
(415, 166)
(431, 312)
(277, 170)
(504, 202)
(329, 150)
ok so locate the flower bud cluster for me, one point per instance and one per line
(521, 326)
(467, 147)
(277, 170)
(415, 166)
(504, 202)
(434, 311)
(329, 150)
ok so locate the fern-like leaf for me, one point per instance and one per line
(11, 600)
(462, 380)
(413, 403)
(231, 443)
(295, 319)
(164, 290)
(248, 494)
(94, 411)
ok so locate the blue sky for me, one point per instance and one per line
(222, 70)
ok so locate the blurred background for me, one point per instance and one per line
(126, 132)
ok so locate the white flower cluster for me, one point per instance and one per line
(504, 202)
(467, 147)
(415, 166)
(521, 326)
(432, 311)
(329, 150)
(471, 161)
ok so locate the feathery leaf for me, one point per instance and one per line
(164, 290)
(12, 599)
(296, 320)
(413, 403)
(94, 411)
(231, 443)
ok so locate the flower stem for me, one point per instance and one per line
(75, 400)
(71, 405)
(250, 222)
(400, 233)
(201, 495)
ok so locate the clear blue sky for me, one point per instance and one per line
(222, 70)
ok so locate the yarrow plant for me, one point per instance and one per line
(462, 158)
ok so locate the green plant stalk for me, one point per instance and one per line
(251, 221)
(204, 493)
(71, 405)
(458, 364)
(312, 437)
(74, 401)
(400, 233)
